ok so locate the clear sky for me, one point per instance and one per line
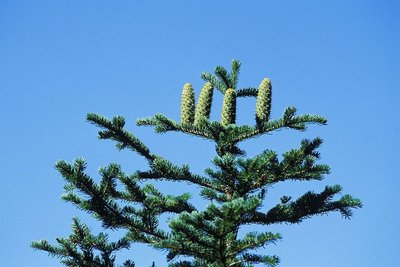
(62, 59)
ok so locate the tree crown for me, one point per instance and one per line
(235, 187)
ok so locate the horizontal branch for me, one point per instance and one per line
(165, 170)
(247, 92)
(114, 131)
(163, 124)
(308, 205)
(289, 120)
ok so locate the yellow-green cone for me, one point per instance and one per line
(203, 107)
(263, 107)
(229, 108)
(187, 104)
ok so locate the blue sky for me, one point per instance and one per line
(62, 59)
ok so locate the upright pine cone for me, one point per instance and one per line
(187, 104)
(203, 107)
(229, 108)
(263, 107)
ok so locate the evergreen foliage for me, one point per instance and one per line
(235, 187)
(77, 249)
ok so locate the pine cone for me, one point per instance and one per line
(263, 107)
(187, 104)
(229, 108)
(203, 107)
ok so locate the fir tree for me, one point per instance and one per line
(235, 188)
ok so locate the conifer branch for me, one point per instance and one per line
(101, 203)
(114, 131)
(253, 240)
(306, 206)
(193, 234)
(216, 83)
(222, 74)
(265, 169)
(270, 261)
(247, 92)
(235, 73)
(289, 120)
(164, 170)
(163, 124)
(78, 248)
